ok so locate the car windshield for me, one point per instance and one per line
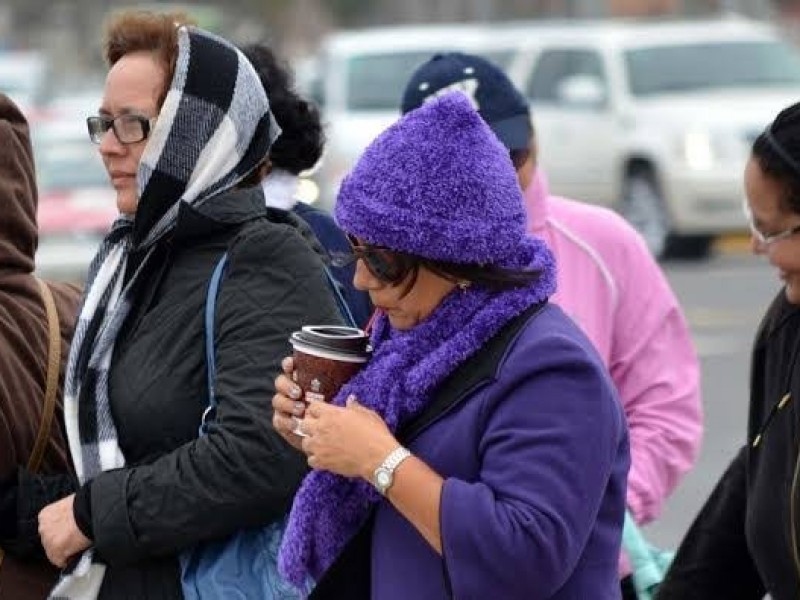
(703, 66)
(376, 81)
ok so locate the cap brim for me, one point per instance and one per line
(515, 132)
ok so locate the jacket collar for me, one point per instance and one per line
(233, 207)
(536, 201)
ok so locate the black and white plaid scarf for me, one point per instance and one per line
(214, 127)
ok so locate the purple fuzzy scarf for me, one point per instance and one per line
(399, 381)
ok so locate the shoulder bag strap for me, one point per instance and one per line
(211, 366)
(336, 288)
(51, 387)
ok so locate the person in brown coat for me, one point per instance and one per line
(24, 341)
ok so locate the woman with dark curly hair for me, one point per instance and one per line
(298, 149)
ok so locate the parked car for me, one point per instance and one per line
(77, 204)
(654, 119)
(358, 79)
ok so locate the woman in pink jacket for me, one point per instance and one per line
(608, 282)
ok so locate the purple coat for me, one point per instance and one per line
(535, 458)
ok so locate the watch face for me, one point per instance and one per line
(383, 478)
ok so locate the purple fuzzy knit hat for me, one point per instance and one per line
(437, 184)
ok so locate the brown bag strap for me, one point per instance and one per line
(51, 387)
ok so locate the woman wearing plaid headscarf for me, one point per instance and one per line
(183, 128)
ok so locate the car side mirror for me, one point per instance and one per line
(582, 91)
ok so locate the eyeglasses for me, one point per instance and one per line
(381, 262)
(128, 128)
(763, 240)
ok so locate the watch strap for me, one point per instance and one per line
(387, 467)
(396, 456)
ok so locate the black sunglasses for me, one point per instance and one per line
(129, 128)
(381, 262)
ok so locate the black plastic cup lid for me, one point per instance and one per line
(333, 338)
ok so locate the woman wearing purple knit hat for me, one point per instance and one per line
(482, 453)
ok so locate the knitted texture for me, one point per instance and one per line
(437, 184)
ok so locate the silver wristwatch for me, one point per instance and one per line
(383, 476)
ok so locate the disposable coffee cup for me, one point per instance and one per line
(325, 358)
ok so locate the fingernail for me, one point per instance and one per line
(299, 408)
(294, 393)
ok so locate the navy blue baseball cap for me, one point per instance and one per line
(496, 99)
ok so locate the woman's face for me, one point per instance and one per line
(404, 311)
(769, 218)
(133, 87)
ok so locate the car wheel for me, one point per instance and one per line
(643, 207)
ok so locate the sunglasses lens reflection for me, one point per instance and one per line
(381, 263)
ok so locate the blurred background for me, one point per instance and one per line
(646, 106)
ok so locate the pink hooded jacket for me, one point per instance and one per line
(610, 285)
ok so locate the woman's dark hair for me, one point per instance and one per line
(300, 144)
(777, 151)
(489, 276)
(519, 156)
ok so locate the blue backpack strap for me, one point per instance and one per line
(211, 366)
(344, 309)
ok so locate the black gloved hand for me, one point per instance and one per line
(21, 499)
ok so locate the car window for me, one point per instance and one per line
(556, 66)
(376, 81)
(691, 67)
(502, 58)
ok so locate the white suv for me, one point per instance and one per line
(358, 80)
(654, 119)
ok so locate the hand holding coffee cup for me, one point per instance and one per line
(325, 358)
